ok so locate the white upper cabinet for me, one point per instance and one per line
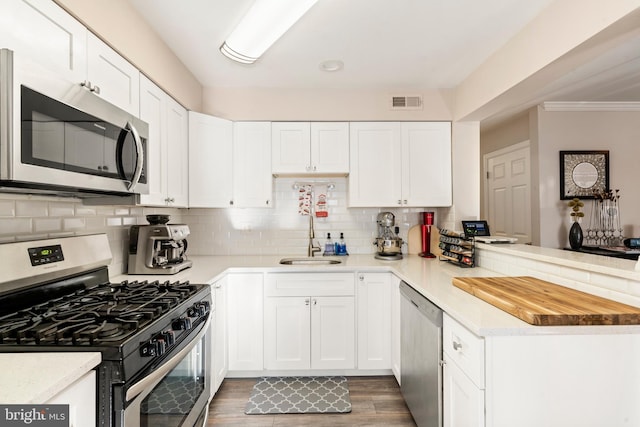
(65, 52)
(167, 147)
(252, 181)
(400, 164)
(111, 76)
(210, 161)
(376, 162)
(302, 148)
(426, 164)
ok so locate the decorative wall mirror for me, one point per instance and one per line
(582, 173)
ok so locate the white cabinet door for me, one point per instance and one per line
(290, 147)
(463, 401)
(219, 336)
(287, 333)
(118, 81)
(375, 163)
(153, 112)
(395, 328)
(330, 147)
(332, 333)
(45, 33)
(426, 164)
(177, 171)
(244, 321)
(210, 161)
(167, 147)
(374, 320)
(81, 398)
(252, 179)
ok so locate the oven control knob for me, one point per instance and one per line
(181, 323)
(148, 349)
(198, 309)
(169, 337)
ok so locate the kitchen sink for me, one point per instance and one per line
(310, 261)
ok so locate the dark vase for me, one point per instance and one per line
(575, 236)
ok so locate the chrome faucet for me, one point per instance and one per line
(314, 246)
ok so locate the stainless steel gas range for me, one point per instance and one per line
(153, 335)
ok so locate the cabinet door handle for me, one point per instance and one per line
(405, 201)
(231, 202)
(457, 346)
(361, 278)
(399, 202)
(315, 301)
(306, 301)
(267, 202)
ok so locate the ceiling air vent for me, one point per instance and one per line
(413, 102)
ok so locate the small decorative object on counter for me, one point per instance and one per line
(575, 232)
(341, 246)
(605, 227)
(457, 248)
(329, 248)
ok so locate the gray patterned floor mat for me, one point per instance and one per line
(299, 395)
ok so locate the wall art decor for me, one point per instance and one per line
(583, 174)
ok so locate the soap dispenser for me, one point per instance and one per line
(329, 248)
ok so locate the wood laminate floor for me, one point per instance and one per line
(375, 401)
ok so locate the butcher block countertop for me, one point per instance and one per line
(542, 303)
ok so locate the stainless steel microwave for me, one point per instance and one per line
(58, 136)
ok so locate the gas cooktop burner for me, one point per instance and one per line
(103, 315)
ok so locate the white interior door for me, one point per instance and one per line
(508, 191)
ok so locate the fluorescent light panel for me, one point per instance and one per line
(264, 23)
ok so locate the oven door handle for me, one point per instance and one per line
(165, 368)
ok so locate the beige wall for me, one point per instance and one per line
(315, 104)
(566, 34)
(618, 132)
(118, 24)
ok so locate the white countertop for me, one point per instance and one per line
(34, 378)
(430, 277)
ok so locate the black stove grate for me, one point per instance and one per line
(103, 315)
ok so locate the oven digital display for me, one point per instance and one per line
(45, 255)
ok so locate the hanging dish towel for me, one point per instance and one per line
(304, 200)
(320, 192)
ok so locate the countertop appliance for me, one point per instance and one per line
(153, 336)
(388, 244)
(421, 356)
(158, 249)
(60, 137)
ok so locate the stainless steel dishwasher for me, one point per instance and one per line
(421, 347)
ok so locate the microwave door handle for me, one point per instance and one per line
(162, 370)
(139, 156)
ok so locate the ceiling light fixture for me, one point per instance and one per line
(263, 24)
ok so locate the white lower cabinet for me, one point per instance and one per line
(463, 376)
(395, 328)
(81, 398)
(463, 401)
(374, 320)
(220, 363)
(245, 321)
(309, 321)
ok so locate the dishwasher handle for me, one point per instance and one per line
(426, 307)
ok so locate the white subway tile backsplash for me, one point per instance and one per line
(47, 225)
(31, 208)
(74, 223)
(114, 222)
(7, 208)
(61, 209)
(15, 226)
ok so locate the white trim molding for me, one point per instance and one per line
(591, 106)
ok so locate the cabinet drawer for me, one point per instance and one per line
(465, 349)
(308, 284)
